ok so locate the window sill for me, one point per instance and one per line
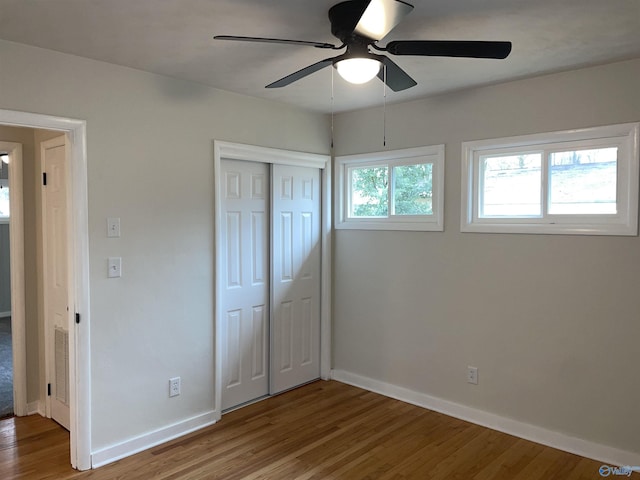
(390, 225)
(550, 229)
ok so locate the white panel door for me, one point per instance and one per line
(245, 292)
(56, 281)
(295, 276)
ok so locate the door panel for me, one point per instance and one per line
(245, 298)
(295, 276)
(56, 279)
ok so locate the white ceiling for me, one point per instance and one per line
(174, 38)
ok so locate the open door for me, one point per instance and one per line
(56, 278)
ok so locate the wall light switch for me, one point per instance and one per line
(115, 267)
(113, 227)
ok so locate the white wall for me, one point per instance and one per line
(150, 162)
(552, 322)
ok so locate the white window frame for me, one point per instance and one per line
(624, 222)
(392, 158)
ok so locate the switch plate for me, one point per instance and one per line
(113, 227)
(115, 267)
(174, 386)
(472, 375)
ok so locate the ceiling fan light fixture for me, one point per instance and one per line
(5, 158)
(358, 70)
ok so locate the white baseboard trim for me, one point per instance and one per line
(5, 314)
(151, 439)
(34, 408)
(561, 441)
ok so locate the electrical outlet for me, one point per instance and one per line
(174, 386)
(472, 375)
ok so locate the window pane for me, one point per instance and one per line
(369, 192)
(510, 186)
(583, 182)
(412, 189)
(4, 202)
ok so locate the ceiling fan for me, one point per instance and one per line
(359, 25)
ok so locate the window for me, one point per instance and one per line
(393, 190)
(4, 187)
(574, 182)
(4, 201)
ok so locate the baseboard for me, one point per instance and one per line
(34, 408)
(5, 314)
(561, 441)
(151, 439)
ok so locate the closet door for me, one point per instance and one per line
(245, 296)
(295, 276)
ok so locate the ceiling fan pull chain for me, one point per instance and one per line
(332, 109)
(384, 107)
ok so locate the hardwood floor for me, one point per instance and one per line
(325, 430)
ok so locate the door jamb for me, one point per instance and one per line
(238, 151)
(78, 235)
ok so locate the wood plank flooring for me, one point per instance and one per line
(325, 430)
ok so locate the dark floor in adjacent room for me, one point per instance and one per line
(6, 368)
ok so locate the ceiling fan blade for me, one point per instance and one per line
(450, 48)
(396, 78)
(380, 17)
(275, 40)
(294, 77)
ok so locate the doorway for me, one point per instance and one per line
(272, 271)
(22, 317)
(78, 263)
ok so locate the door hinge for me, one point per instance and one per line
(48, 389)
(44, 178)
(77, 318)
